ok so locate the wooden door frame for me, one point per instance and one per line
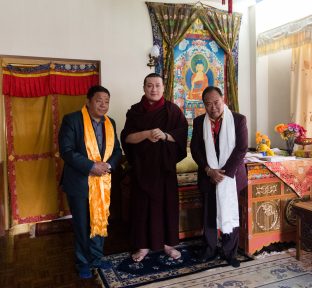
(4, 189)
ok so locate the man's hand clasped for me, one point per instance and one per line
(99, 169)
(216, 175)
(156, 134)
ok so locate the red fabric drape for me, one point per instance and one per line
(24, 81)
(72, 85)
(230, 6)
(73, 79)
(44, 80)
(26, 87)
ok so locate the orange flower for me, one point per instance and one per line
(262, 139)
(280, 128)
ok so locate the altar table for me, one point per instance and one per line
(266, 206)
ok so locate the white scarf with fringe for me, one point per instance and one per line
(226, 191)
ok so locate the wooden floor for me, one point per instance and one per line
(48, 260)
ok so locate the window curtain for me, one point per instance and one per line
(298, 36)
(36, 99)
(290, 35)
(175, 19)
(301, 87)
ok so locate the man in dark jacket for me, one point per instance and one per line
(219, 144)
(90, 149)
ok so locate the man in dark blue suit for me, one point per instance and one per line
(90, 149)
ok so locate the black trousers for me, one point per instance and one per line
(88, 251)
(229, 241)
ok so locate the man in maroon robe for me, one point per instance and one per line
(210, 177)
(154, 140)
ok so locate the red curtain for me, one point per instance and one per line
(47, 79)
(75, 79)
(26, 81)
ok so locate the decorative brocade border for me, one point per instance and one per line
(79, 84)
(13, 158)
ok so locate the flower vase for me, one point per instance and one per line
(290, 143)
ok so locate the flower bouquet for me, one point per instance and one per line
(263, 144)
(290, 132)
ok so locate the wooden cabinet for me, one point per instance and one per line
(191, 213)
(266, 210)
(266, 213)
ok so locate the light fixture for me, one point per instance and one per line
(153, 56)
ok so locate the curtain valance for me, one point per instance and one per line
(46, 79)
(73, 79)
(290, 35)
(26, 80)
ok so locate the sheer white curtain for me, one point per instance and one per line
(301, 87)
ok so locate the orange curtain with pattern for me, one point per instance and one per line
(301, 86)
(36, 99)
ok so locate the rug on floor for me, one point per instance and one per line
(277, 271)
(157, 266)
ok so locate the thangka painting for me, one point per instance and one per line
(199, 62)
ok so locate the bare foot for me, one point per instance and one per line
(172, 252)
(139, 255)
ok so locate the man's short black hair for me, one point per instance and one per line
(153, 75)
(210, 89)
(97, 88)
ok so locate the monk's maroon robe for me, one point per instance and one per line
(154, 207)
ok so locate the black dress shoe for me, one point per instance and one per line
(206, 256)
(233, 262)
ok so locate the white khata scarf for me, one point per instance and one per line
(226, 192)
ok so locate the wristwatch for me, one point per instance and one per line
(166, 139)
(109, 168)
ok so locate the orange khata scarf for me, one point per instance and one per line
(99, 187)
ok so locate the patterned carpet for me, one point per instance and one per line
(157, 266)
(277, 271)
